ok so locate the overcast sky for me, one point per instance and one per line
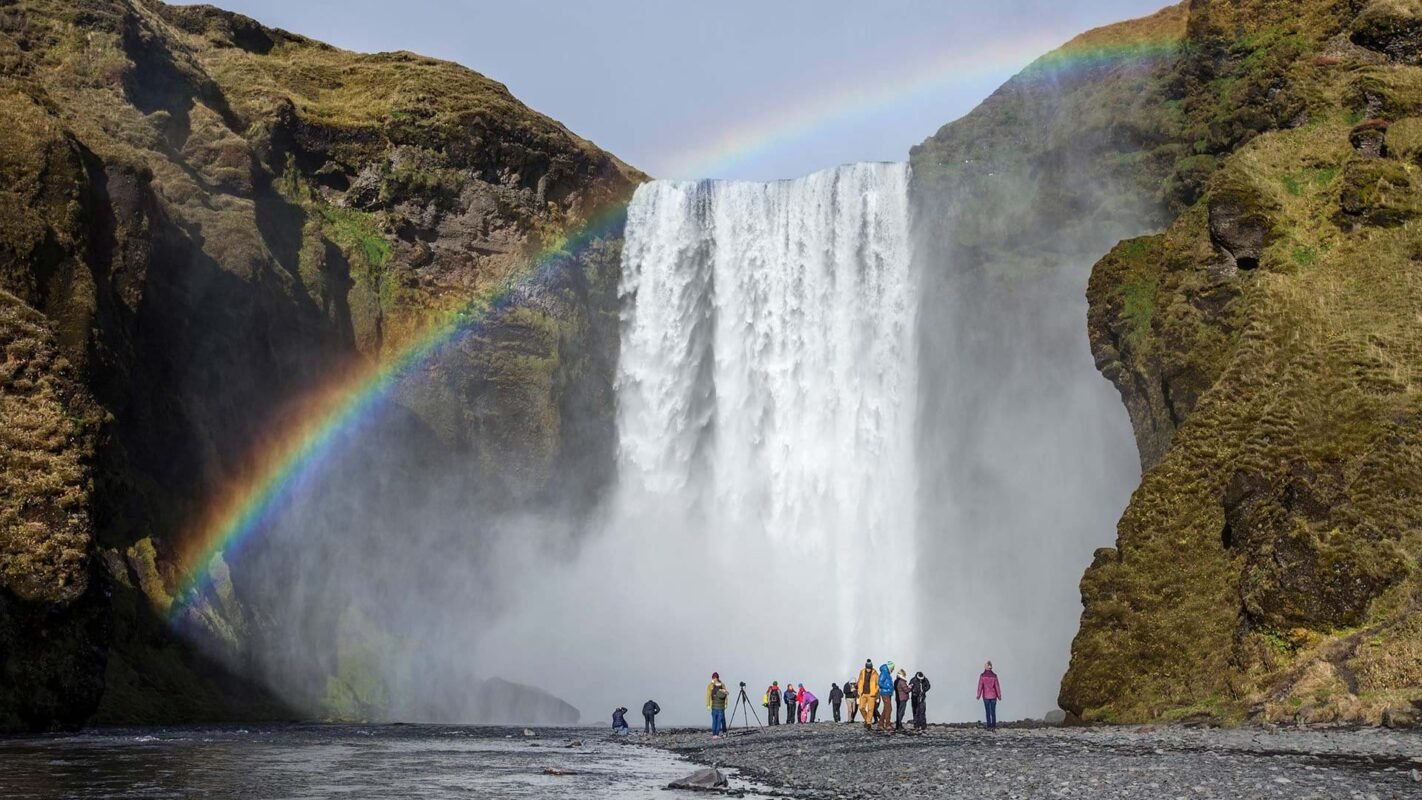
(755, 89)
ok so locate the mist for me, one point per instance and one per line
(836, 438)
(1027, 462)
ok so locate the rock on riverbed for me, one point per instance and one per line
(828, 760)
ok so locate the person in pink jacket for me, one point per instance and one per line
(809, 704)
(989, 691)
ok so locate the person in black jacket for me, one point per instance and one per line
(772, 702)
(918, 693)
(619, 720)
(851, 694)
(650, 710)
(836, 695)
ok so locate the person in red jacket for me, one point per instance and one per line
(989, 691)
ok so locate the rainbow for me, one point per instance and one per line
(325, 419)
(281, 465)
(992, 60)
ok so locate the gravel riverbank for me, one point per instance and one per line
(830, 761)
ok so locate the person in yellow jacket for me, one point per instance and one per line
(868, 688)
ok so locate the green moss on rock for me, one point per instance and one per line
(1271, 552)
(46, 457)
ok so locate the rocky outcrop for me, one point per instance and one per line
(1262, 338)
(1390, 27)
(207, 218)
(50, 627)
(1266, 347)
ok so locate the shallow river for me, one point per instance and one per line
(322, 761)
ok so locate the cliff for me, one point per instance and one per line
(1267, 346)
(201, 219)
(1258, 321)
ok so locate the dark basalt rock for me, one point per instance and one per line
(709, 779)
(1241, 225)
(1369, 139)
(1391, 27)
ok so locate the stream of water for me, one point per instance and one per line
(334, 761)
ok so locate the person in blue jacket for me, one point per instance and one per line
(791, 701)
(886, 694)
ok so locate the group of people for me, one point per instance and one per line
(881, 696)
(801, 704)
(878, 696)
(650, 710)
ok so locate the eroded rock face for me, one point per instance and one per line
(212, 218)
(1265, 567)
(1240, 222)
(52, 629)
(1369, 139)
(1391, 27)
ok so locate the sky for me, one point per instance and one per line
(746, 89)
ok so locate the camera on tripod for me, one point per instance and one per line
(745, 708)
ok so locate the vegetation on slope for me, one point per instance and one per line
(1268, 347)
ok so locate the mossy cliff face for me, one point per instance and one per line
(50, 664)
(1268, 348)
(201, 219)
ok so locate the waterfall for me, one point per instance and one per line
(762, 522)
(766, 384)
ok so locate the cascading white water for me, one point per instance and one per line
(763, 521)
(766, 384)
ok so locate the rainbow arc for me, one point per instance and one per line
(282, 464)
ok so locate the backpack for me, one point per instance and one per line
(774, 696)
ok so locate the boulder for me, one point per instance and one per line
(1055, 717)
(1376, 193)
(1240, 222)
(1391, 27)
(708, 779)
(1369, 138)
(1401, 716)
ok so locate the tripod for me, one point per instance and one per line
(744, 702)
